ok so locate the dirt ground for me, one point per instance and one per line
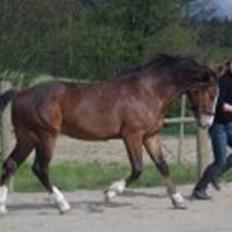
(113, 151)
(136, 210)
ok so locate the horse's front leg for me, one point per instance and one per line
(153, 147)
(133, 144)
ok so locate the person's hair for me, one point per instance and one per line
(227, 65)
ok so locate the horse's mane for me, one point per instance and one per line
(165, 60)
(174, 64)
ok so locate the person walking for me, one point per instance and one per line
(221, 137)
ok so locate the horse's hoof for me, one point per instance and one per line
(178, 201)
(108, 195)
(63, 207)
(64, 211)
(180, 206)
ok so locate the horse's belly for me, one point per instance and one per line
(91, 132)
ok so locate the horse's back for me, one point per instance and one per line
(83, 111)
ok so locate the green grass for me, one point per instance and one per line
(72, 176)
(174, 130)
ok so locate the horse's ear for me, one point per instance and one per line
(218, 70)
(212, 75)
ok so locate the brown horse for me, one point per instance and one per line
(130, 106)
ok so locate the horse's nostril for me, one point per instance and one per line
(207, 120)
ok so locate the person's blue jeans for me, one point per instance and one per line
(221, 137)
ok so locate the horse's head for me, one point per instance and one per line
(203, 98)
(198, 81)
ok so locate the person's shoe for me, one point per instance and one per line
(215, 185)
(200, 195)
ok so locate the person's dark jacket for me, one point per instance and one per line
(225, 96)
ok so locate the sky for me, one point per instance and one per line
(224, 7)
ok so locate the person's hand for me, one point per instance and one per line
(227, 108)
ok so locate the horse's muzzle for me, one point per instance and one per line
(206, 120)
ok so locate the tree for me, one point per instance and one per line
(98, 38)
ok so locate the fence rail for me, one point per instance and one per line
(179, 120)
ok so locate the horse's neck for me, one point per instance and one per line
(175, 89)
(181, 86)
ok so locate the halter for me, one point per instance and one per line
(199, 108)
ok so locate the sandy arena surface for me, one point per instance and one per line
(113, 151)
(137, 210)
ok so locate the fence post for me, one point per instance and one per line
(6, 128)
(203, 151)
(181, 133)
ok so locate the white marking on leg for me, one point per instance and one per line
(116, 188)
(59, 200)
(3, 198)
(178, 197)
(178, 200)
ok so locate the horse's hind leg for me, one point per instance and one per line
(153, 148)
(21, 151)
(133, 145)
(40, 167)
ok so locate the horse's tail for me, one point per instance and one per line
(6, 97)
